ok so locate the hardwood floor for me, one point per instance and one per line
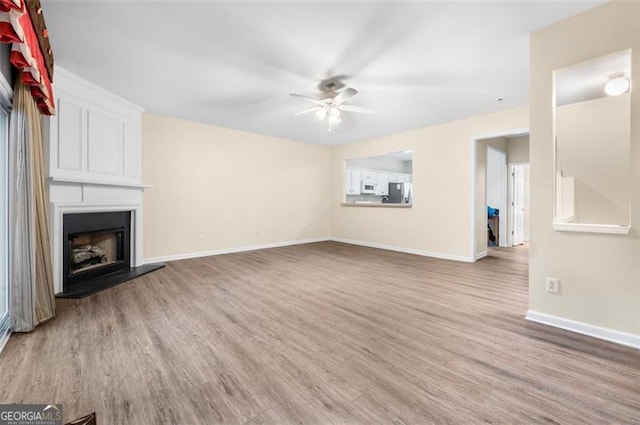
(324, 333)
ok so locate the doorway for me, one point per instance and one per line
(501, 192)
(519, 203)
(496, 197)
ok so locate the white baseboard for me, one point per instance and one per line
(611, 335)
(406, 250)
(303, 241)
(481, 255)
(245, 248)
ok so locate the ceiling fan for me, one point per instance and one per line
(330, 105)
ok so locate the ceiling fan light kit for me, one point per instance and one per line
(330, 105)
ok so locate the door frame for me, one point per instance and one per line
(511, 200)
(474, 254)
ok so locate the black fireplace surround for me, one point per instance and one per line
(118, 222)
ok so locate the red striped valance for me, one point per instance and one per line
(17, 26)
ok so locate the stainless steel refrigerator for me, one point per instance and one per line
(400, 193)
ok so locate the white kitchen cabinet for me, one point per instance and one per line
(353, 180)
(382, 184)
(369, 177)
(395, 178)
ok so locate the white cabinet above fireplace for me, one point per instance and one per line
(94, 137)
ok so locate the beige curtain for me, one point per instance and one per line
(31, 277)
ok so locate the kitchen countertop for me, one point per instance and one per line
(375, 205)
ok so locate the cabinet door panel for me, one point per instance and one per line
(103, 144)
(395, 178)
(356, 182)
(131, 150)
(382, 184)
(70, 147)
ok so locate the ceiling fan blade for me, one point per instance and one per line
(308, 99)
(307, 111)
(360, 109)
(344, 95)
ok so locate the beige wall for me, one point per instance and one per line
(518, 149)
(593, 148)
(599, 273)
(439, 222)
(216, 188)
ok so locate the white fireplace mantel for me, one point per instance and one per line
(58, 209)
(94, 160)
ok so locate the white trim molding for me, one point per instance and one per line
(616, 229)
(481, 255)
(233, 250)
(245, 248)
(611, 335)
(58, 209)
(440, 255)
(68, 81)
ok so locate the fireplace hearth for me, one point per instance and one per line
(96, 248)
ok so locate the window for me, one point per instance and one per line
(4, 214)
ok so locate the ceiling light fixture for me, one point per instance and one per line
(331, 113)
(330, 105)
(334, 115)
(617, 84)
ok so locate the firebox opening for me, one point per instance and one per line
(92, 250)
(95, 245)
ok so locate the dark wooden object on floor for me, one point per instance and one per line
(324, 333)
(85, 420)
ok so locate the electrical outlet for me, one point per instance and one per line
(553, 285)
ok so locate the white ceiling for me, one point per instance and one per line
(586, 80)
(234, 64)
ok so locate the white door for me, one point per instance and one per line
(497, 190)
(517, 204)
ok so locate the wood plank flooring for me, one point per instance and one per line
(323, 333)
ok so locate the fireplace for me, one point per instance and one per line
(95, 244)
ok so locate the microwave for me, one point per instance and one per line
(367, 187)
